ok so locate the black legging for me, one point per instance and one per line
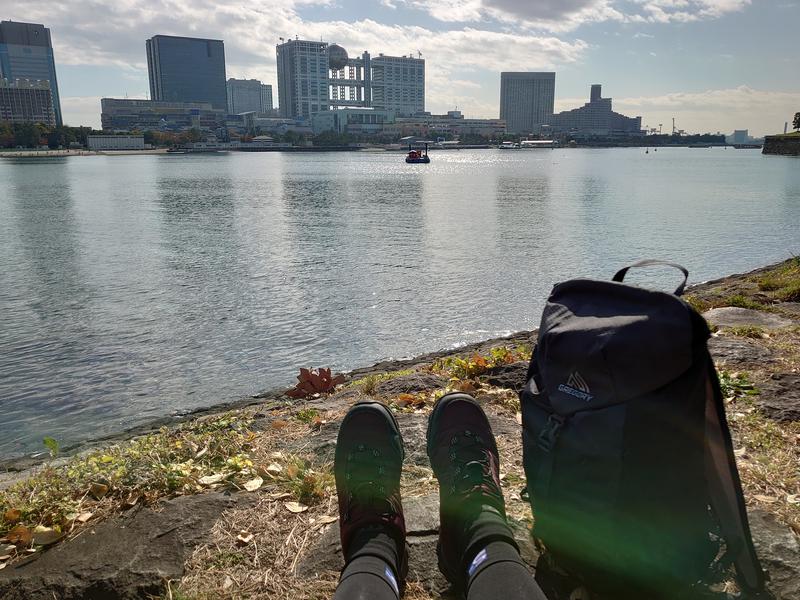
(502, 574)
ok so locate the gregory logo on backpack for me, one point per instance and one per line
(576, 386)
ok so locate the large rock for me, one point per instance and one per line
(422, 525)
(779, 551)
(740, 352)
(780, 397)
(745, 317)
(508, 376)
(127, 557)
(410, 384)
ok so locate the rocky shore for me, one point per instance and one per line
(786, 145)
(241, 504)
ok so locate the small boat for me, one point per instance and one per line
(415, 157)
(509, 146)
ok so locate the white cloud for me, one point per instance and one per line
(761, 111)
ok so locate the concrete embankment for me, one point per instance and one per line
(785, 145)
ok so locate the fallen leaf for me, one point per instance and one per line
(20, 535)
(518, 417)
(3, 566)
(766, 499)
(292, 471)
(739, 452)
(132, 501)
(7, 549)
(212, 479)
(44, 536)
(98, 490)
(277, 456)
(83, 517)
(201, 453)
(279, 424)
(295, 507)
(106, 459)
(253, 484)
(5, 557)
(793, 498)
(327, 519)
(244, 537)
(12, 516)
(274, 469)
(227, 583)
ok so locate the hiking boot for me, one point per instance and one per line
(464, 457)
(369, 458)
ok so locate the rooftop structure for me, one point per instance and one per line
(26, 52)
(26, 101)
(143, 115)
(183, 69)
(595, 118)
(527, 100)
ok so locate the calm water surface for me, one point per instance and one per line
(140, 286)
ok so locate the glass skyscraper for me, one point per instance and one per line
(526, 100)
(26, 52)
(186, 69)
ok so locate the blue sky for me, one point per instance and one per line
(714, 65)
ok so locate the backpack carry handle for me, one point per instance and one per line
(620, 275)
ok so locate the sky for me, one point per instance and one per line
(712, 65)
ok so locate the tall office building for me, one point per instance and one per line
(527, 100)
(26, 101)
(266, 98)
(248, 95)
(186, 69)
(26, 52)
(302, 78)
(398, 84)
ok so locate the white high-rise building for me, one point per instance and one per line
(315, 77)
(398, 84)
(248, 95)
(302, 78)
(527, 100)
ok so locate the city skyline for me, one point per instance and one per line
(711, 64)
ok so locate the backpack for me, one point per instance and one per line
(626, 448)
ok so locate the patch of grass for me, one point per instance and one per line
(768, 284)
(789, 293)
(697, 303)
(298, 476)
(470, 367)
(369, 383)
(736, 385)
(167, 463)
(747, 331)
(307, 415)
(742, 301)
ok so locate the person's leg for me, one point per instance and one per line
(369, 458)
(476, 549)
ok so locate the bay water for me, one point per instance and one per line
(137, 287)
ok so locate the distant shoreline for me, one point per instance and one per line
(82, 152)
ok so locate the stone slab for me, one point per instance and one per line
(745, 317)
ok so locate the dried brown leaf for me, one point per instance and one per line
(20, 535)
(12, 516)
(253, 484)
(295, 507)
(98, 490)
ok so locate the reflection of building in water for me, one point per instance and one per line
(595, 118)
(26, 101)
(315, 77)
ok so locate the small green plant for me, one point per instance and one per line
(736, 385)
(696, 303)
(52, 446)
(307, 415)
(768, 284)
(747, 331)
(369, 383)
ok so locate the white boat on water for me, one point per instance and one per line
(538, 144)
(508, 146)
